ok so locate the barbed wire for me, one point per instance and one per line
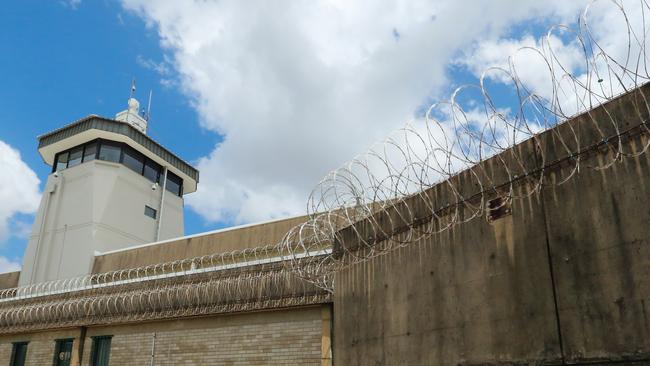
(202, 285)
(447, 168)
(233, 260)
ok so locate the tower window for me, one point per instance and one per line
(133, 160)
(61, 161)
(90, 151)
(100, 351)
(118, 152)
(148, 211)
(18, 354)
(174, 184)
(152, 171)
(75, 156)
(109, 152)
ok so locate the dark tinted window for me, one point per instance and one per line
(152, 171)
(90, 151)
(133, 160)
(75, 156)
(109, 152)
(18, 354)
(63, 352)
(174, 184)
(118, 153)
(62, 161)
(148, 211)
(100, 351)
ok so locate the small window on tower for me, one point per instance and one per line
(133, 160)
(152, 171)
(174, 184)
(61, 161)
(148, 211)
(109, 152)
(90, 151)
(75, 156)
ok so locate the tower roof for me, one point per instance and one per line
(92, 127)
(131, 115)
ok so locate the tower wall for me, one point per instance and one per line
(96, 206)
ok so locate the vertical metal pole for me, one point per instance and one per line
(153, 349)
(162, 204)
(149, 105)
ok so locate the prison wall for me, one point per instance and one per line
(9, 280)
(219, 241)
(564, 278)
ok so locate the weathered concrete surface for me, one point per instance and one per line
(486, 293)
(478, 293)
(9, 280)
(221, 241)
(599, 233)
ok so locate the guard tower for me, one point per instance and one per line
(111, 187)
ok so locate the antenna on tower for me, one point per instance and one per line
(133, 115)
(149, 106)
(132, 88)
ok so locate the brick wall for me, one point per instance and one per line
(40, 349)
(283, 337)
(290, 337)
(5, 352)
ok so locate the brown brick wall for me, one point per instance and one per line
(284, 337)
(40, 349)
(5, 352)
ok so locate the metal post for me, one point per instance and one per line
(153, 349)
(162, 204)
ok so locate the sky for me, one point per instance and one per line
(264, 98)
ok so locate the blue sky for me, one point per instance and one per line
(60, 64)
(265, 98)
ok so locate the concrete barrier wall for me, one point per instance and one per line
(9, 280)
(565, 279)
(598, 228)
(220, 241)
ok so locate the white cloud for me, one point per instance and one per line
(19, 192)
(161, 68)
(523, 58)
(7, 265)
(299, 87)
(562, 56)
(72, 4)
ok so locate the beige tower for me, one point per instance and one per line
(111, 187)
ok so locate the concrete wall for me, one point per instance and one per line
(477, 294)
(565, 279)
(249, 236)
(9, 280)
(285, 337)
(94, 206)
(599, 236)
